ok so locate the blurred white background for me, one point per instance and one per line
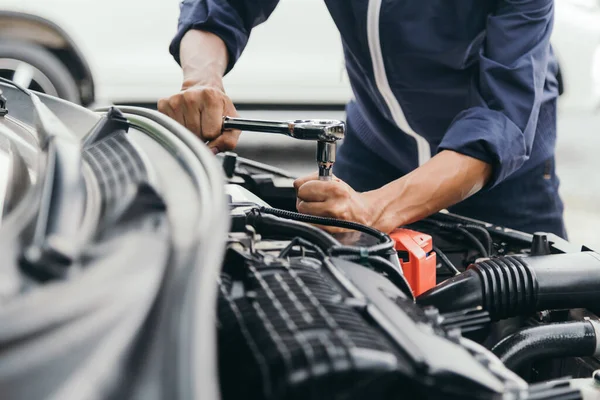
(116, 51)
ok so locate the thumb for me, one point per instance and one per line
(301, 181)
(225, 142)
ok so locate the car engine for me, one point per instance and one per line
(138, 265)
(305, 314)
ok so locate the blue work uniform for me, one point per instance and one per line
(476, 77)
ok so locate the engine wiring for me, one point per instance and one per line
(385, 247)
(476, 242)
(484, 248)
(446, 261)
(302, 243)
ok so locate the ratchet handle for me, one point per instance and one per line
(317, 130)
(255, 125)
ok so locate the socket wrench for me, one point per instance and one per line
(325, 132)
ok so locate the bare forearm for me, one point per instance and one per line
(202, 102)
(447, 179)
(204, 59)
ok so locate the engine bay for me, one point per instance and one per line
(138, 265)
(450, 308)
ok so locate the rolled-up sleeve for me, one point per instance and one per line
(231, 20)
(499, 124)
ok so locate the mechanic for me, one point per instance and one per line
(454, 107)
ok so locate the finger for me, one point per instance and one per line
(317, 191)
(312, 177)
(230, 110)
(301, 181)
(191, 115)
(176, 106)
(163, 106)
(227, 141)
(212, 117)
(320, 209)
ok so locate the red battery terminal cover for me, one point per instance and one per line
(416, 256)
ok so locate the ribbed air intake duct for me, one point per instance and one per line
(511, 286)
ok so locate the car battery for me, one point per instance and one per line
(417, 259)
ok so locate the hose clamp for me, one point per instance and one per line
(596, 325)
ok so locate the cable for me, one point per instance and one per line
(476, 242)
(271, 225)
(311, 219)
(488, 238)
(446, 261)
(298, 241)
(306, 235)
(242, 204)
(385, 247)
(464, 230)
(286, 250)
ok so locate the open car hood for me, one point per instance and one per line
(113, 230)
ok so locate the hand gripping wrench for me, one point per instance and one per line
(325, 132)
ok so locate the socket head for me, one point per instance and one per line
(320, 130)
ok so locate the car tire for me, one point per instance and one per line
(37, 68)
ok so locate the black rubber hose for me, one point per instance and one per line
(511, 286)
(311, 219)
(473, 239)
(385, 247)
(446, 261)
(271, 225)
(568, 339)
(298, 241)
(485, 233)
(465, 230)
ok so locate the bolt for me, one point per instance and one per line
(454, 335)
(596, 376)
(431, 313)
(540, 245)
(229, 163)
